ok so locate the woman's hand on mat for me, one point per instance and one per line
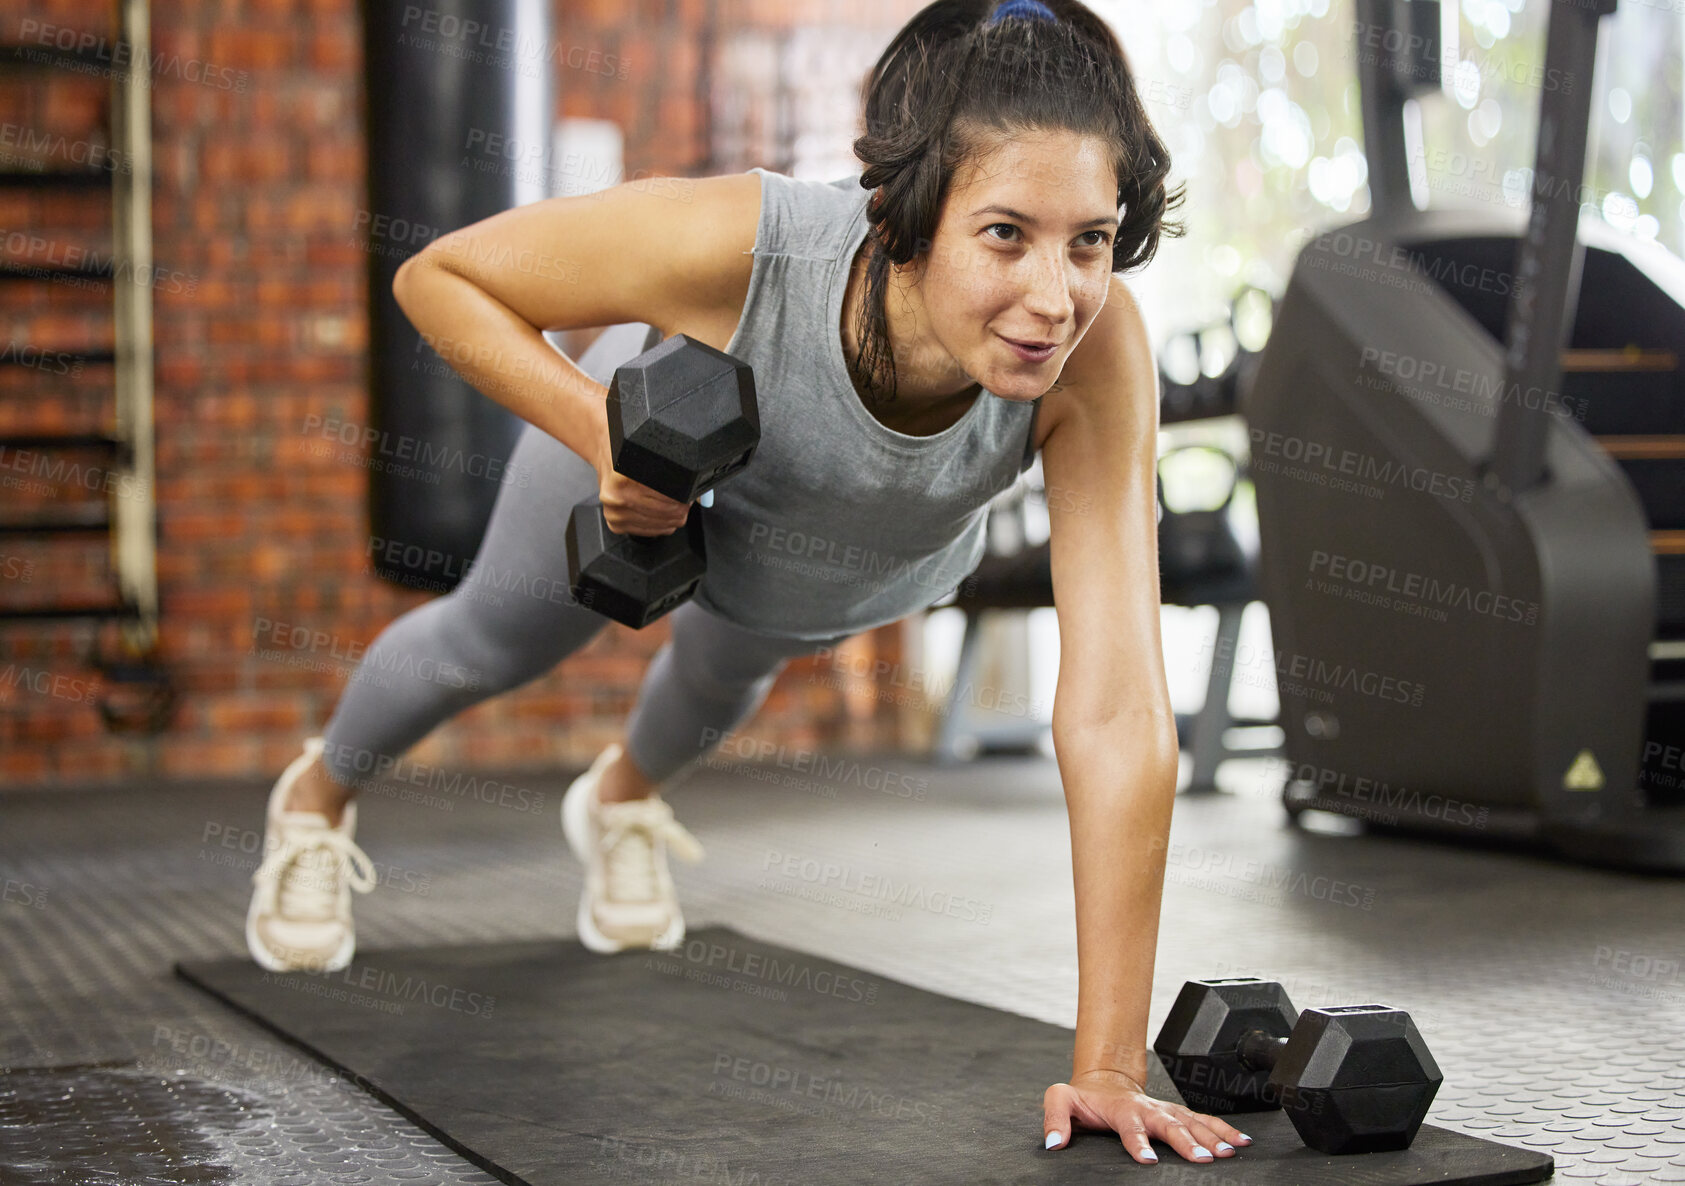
(1112, 1101)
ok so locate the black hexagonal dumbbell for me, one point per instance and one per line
(1353, 1078)
(682, 418)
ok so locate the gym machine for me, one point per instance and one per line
(1468, 446)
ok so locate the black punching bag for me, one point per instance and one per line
(459, 97)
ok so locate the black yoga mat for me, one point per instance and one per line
(737, 1061)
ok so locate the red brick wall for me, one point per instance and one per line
(259, 322)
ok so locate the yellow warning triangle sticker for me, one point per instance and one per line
(1584, 774)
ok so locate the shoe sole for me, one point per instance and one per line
(576, 826)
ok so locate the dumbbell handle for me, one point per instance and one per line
(1259, 1050)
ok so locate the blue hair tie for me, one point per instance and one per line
(1024, 10)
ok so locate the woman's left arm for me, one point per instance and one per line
(1114, 732)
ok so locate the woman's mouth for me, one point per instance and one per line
(1031, 351)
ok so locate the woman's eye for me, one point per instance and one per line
(998, 225)
(1101, 242)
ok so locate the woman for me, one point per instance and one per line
(916, 335)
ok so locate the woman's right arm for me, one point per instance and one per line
(651, 251)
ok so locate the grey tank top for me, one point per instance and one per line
(840, 524)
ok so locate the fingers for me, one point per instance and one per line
(641, 523)
(633, 509)
(1225, 1132)
(1198, 1137)
(1059, 1115)
(1180, 1137)
(1215, 1135)
(1137, 1143)
(1056, 1116)
(1138, 1119)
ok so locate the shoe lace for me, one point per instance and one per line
(630, 833)
(303, 871)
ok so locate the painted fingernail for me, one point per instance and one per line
(1201, 1151)
(1246, 1138)
(1052, 1140)
(1224, 1147)
(1150, 1157)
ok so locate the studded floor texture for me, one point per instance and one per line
(1551, 994)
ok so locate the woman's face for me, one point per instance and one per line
(1022, 260)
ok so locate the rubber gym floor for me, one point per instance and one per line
(1550, 993)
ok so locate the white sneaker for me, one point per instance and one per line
(628, 899)
(300, 916)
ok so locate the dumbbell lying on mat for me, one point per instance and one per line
(681, 418)
(1353, 1078)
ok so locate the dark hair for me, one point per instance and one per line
(959, 78)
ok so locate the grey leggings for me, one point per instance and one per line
(510, 621)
